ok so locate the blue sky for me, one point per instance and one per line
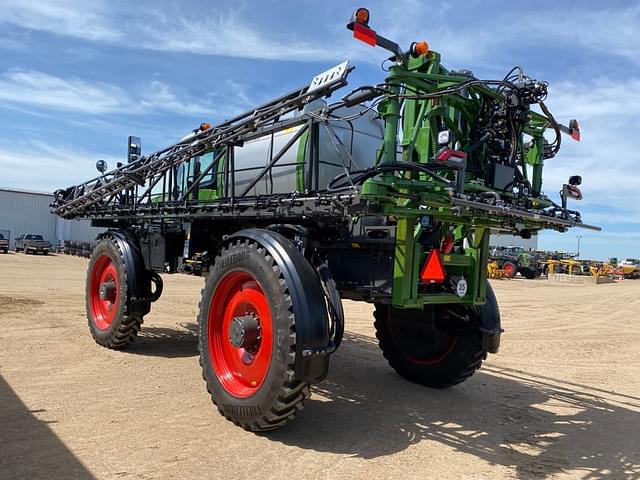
(78, 77)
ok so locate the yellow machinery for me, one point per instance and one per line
(493, 271)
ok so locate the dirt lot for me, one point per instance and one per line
(561, 400)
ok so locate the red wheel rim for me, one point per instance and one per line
(508, 269)
(104, 292)
(241, 370)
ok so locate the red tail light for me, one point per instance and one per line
(447, 244)
(364, 34)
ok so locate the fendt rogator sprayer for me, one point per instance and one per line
(386, 196)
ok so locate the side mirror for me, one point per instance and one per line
(101, 166)
(134, 149)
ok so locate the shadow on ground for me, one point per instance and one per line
(502, 416)
(181, 341)
(538, 425)
(28, 447)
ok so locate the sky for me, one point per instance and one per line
(78, 77)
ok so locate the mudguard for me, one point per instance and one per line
(309, 306)
(138, 279)
(490, 322)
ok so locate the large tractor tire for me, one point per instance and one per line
(510, 269)
(114, 320)
(433, 347)
(248, 333)
(529, 273)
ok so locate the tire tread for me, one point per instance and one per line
(292, 392)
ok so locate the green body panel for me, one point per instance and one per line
(415, 195)
(300, 159)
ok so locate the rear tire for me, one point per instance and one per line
(421, 352)
(510, 269)
(250, 376)
(108, 323)
(528, 273)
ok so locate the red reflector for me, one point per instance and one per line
(364, 34)
(447, 244)
(448, 153)
(433, 269)
(575, 134)
(574, 192)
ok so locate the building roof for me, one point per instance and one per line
(28, 192)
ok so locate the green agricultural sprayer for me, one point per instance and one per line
(387, 196)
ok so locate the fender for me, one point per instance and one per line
(139, 294)
(309, 306)
(490, 322)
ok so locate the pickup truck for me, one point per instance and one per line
(32, 243)
(4, 244)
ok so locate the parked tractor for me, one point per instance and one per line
(386, 196)
(513, 260)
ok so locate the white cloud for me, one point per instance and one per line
(58, 165)
(159, 97)
(164, 27)
(170, 27)
(608, 31)
(224, 34)
(481, 43)
(34, 89)
(47, 91)
(69, 18)
(607, 156)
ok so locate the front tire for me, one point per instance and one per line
(106, 298)
(418, 349)
(247, 339)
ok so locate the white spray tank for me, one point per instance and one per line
(356, 146)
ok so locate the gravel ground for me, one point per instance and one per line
(561, 399)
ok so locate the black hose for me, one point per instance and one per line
(362, 175)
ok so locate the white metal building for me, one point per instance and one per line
(23, 211)
(504, 240)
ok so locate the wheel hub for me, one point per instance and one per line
(240, 331)
(107, 291)
(104, 297)
(244, 332)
